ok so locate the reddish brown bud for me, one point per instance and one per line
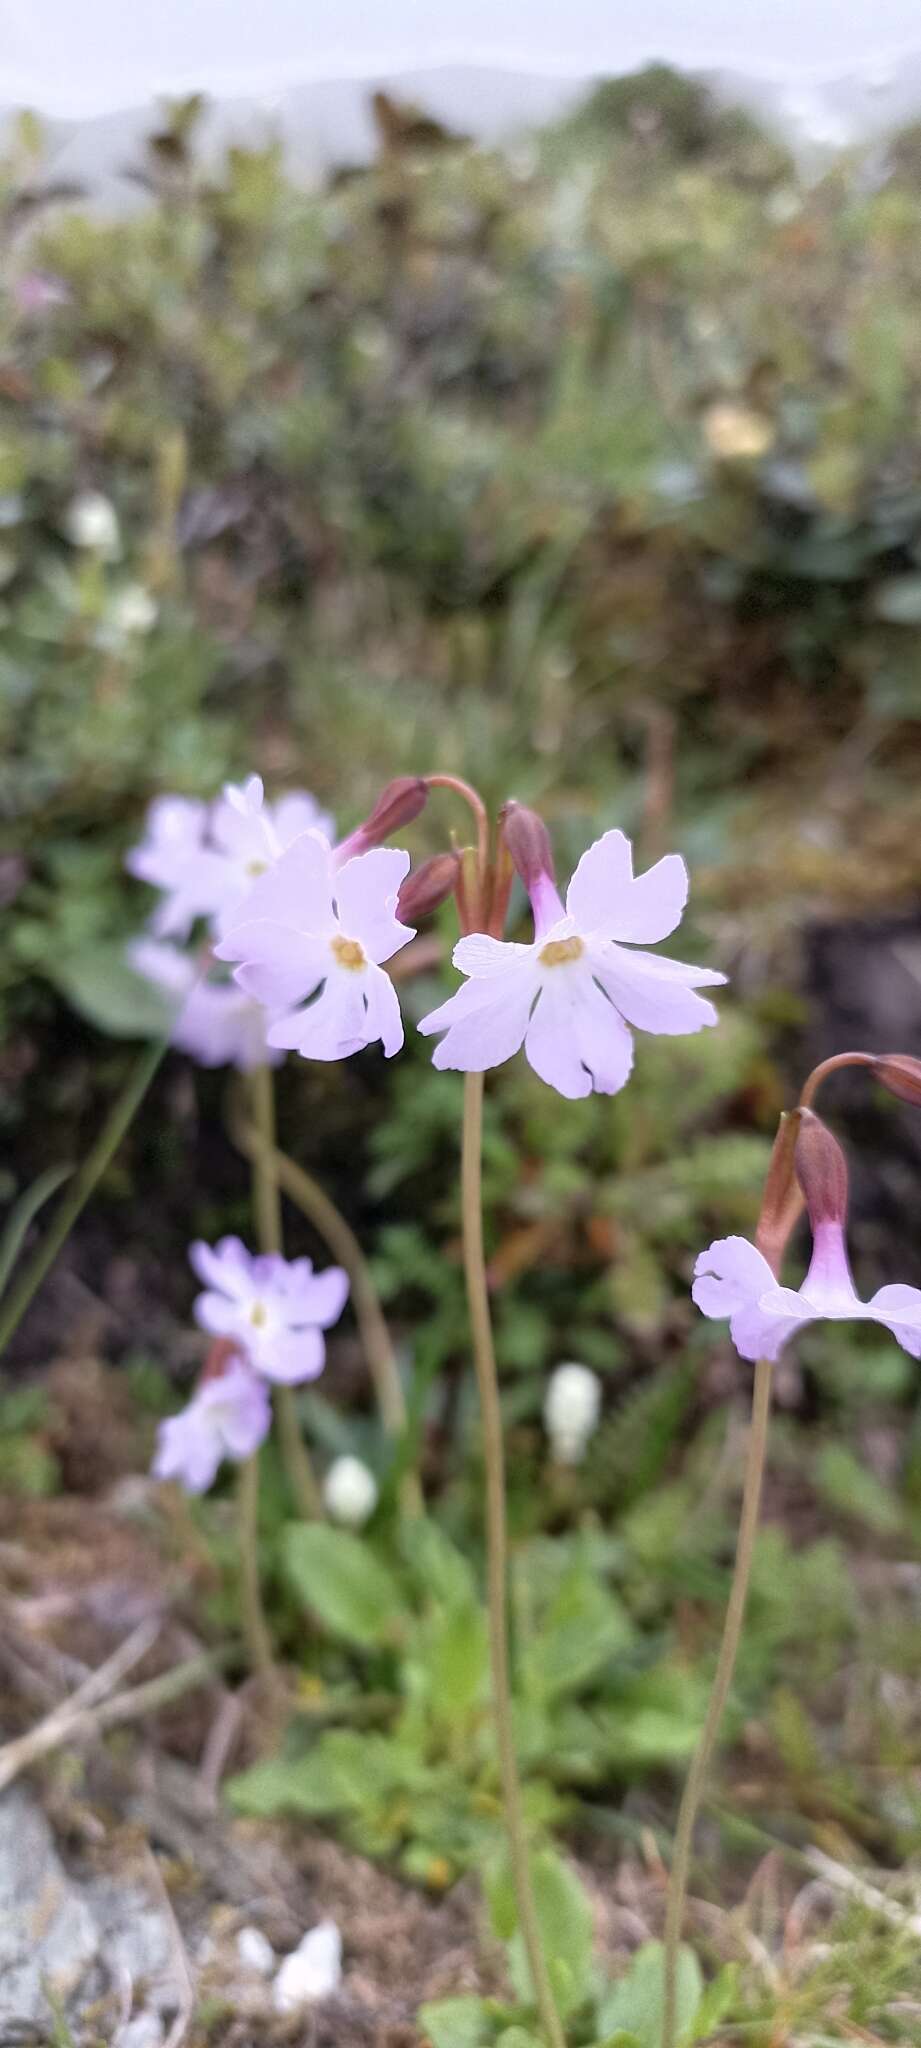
(900, 1074)
(398, 804)
(821, 1169)
(427, 887)
(219, 1358)
(782, 1201)
(528, 842)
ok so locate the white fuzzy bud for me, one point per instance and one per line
(572, 1405)
(91, 521)
(255, 1951)
(350, 1492)
(132, 610)
(312, 1971)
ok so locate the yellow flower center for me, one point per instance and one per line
(258, 1316)
(349, 953)
(558, 951)
(256, 867)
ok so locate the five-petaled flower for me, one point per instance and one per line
(312, 930)
(204, 857)
(570, 996)
(275, 1310)
(732, 1278)
(228, 1417)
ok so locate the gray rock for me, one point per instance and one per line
(136, 1939)
(48, 1936)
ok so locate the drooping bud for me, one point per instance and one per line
(528, 842)
(900, 1074)
(219, 1357)
(427, 887)
(782, 1201)
(398, 804)
(821, 1169)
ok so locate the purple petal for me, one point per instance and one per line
(187, 1450)
(334, 1026)
(290, 1359)
(296, 812)
(653, 993)
(603, 896)
(383, 1016)
(295, 891)
(899, 1308)
(317, 1297)
(227, 1266)
(485, 1022)
(481, 957)
(366, 894)
(280, 966)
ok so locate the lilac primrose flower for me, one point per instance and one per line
(310, 926)
(228, 1417)
(173, 856)
(216, 1022)
(250, 834)
(732, 1278)
(274, 1308)
(571, 995)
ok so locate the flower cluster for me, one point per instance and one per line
(268, 1315)
(308, 928)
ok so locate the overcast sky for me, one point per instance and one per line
(86, 56)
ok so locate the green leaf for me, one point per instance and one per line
(634, 2006)
(102, 987)
(441, 1571)
(565, 1921)
(517, 2037)
(583, 1626)
(454, 2023)
(853, 1490)
(343, 1582)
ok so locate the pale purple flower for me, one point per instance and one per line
(732, 1279)
(205, 857)
(216, 1022)
(570, 997)
(228, 1417)
(250, 834)
(276, 1309)
(173, 857)
(312, 930)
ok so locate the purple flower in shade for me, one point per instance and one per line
(173, 857)
(250, 834)
(732, 1278)
(312, 930)
(273, 1308)
(216, 1022)
(205, 857)
(228, 1417)
(571, 995)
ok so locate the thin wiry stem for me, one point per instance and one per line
(722, 1680)
(497, 1550)
(255, 1630)
(267, 1210)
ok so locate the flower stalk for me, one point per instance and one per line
(267, 1211)
(497, 1551)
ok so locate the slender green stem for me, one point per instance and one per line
(722, 1680)
(258, 1641)
(267, 1208)
(84, 1182)
(497, 1549)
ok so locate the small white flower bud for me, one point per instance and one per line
(255, 1951)
(572, 1405)
(132, 610)
(350, 1492)
(312, 1971)
(91, 521)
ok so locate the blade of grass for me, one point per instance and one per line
(120, 1116)
(22, 1213)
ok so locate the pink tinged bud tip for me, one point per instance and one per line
(273, 1310)
(900, 1074)
(398, 804)
(571, 996)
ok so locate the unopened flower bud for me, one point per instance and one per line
(427, 887)
(782, 1201)
(900, 1074)
(821, 1169)
(350, 1492)
(398, 804)
(571, 1409)
(528, 842)
(91, 522)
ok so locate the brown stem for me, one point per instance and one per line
(820, 1073)
(470, 796)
